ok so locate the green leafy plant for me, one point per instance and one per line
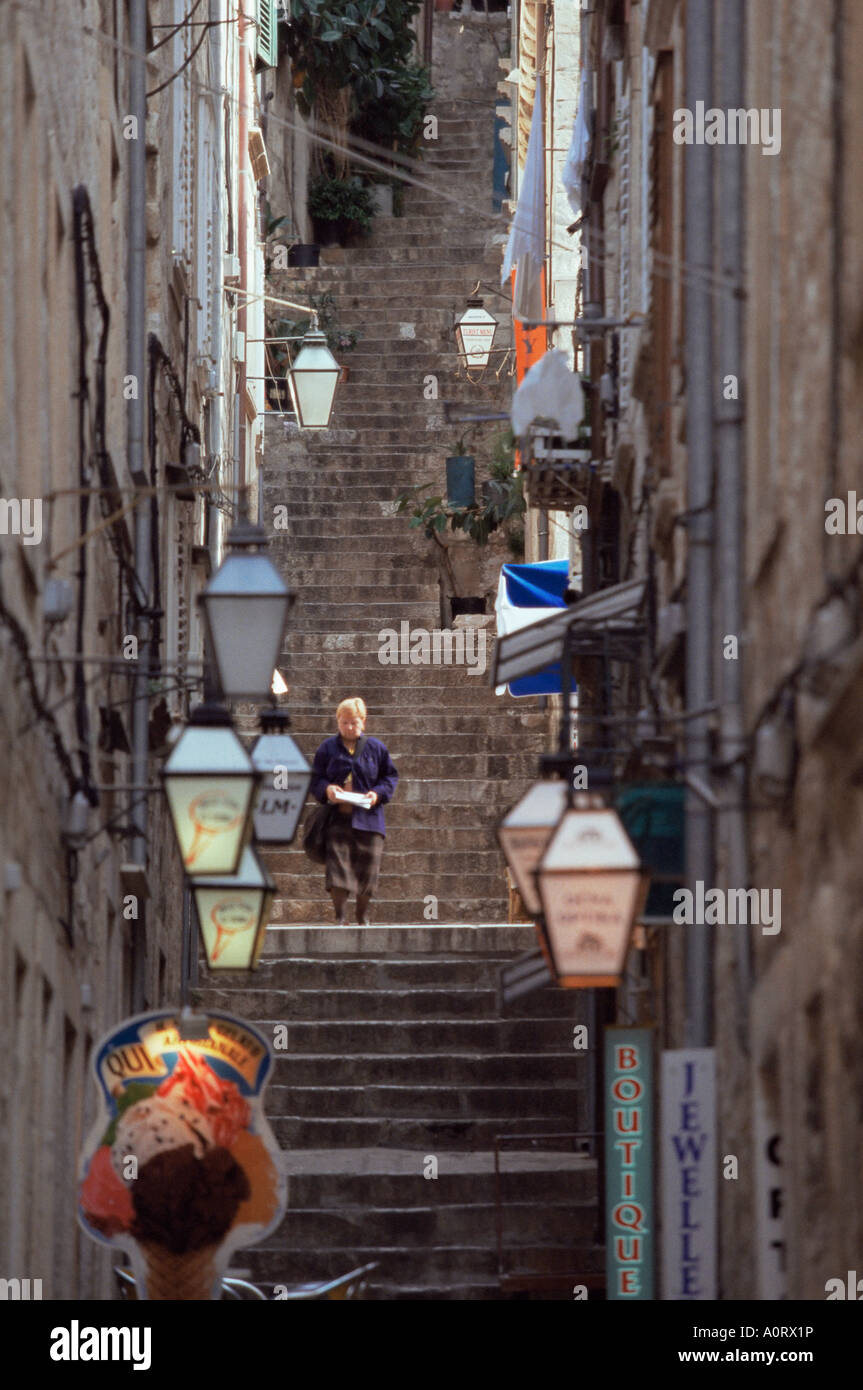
(337, 200)
(394, 120)
(339, 339)
(502, 504)
(348, 43)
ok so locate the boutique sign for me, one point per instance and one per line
(629, 1221)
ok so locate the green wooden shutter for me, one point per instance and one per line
(268, 43)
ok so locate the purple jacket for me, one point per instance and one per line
(373, 771)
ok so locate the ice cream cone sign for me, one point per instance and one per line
(181, 1168)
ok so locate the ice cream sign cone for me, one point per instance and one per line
(181, 1168)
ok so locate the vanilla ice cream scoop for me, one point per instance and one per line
(155, 1126)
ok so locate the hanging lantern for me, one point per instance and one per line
(312, 381)
(210, 782)
(246, 605)
(285, 780)
(232, 913)
(525, 832)
(592, 889)
(474, 333)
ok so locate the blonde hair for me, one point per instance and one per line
(354, 705)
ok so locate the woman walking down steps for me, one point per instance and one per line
(352, 761)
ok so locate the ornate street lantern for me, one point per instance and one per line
(592, 889)
(246, 605)
(474, 333)
(285, 780)
(312, 381)
(210, 782)
(525, 832)
(232, 913)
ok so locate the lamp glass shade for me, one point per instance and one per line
(285, 779)
(232, 914)
(524, 834)
(210, 782)
(246, 607)
(591, 888)
(474, 334)
(312, 381)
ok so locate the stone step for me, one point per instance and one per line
(347, 1037)
(436, 1224)
(431, 1133)
(403, 862)
(460, 1104)
(444, 1068)
(390, 1004)
(446, 937)
(318, 911)
(447, 1270)
(320, 971)
(497, 739)
(334, 1191)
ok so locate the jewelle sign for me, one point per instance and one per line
(689, 1173)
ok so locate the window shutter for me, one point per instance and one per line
(268, 43)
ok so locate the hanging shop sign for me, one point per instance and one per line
(629, 1217)
(687, 1160)
(181, 1167)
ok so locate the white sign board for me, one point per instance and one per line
(688, 1170)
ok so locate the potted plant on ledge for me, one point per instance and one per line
(339, 208)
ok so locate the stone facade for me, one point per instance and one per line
(786, 1006)
(80, 946)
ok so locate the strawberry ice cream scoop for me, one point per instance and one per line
(197, 1087)
(155, 1126)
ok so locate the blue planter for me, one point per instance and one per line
(460, 480)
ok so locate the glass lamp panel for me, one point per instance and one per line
(212, 820)
(209, 784)
(284, 788)
(246, 605)
(312, 382)
(525, 832)
(232, 913)
(475, 334)
(591, 839)
(589, 918)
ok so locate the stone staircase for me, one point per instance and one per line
(397, 1054)
(463, 754)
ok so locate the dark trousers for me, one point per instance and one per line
(353, 858)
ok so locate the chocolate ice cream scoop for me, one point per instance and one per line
(183, 1202)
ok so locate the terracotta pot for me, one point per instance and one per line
(444, 5)
(344, 375)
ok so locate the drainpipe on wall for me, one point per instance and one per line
(136, 357)
(698, 249)
(214, 413)
(729, 517)
(245, 30)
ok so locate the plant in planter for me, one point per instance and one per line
(501, 505)
(339, 207)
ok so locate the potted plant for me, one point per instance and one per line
(460, 477)
(501, 505)
(339, 208)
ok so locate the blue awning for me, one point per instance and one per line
(525, 594)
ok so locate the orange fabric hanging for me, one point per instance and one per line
(530, 345)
